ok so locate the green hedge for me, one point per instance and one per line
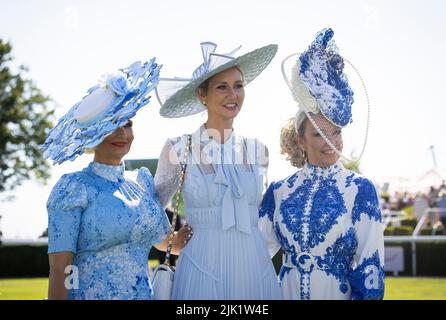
(399, 231)
(17, 261)
(431, 258)
(23, 261)
(409, 222)
(428, 231)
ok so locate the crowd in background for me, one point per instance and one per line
(416, 204)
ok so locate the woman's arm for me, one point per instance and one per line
(266, 214)
(57, 290)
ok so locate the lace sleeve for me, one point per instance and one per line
(264, 162)
(266, 220)
(168, 172)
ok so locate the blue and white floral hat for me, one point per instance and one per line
(320, 87)
(177, 95)
(106, 107)
(318, 82)
(321, 70)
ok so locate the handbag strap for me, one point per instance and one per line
(177, 200)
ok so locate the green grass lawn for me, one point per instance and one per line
(399, 288)
(402, 288)
(23, 289)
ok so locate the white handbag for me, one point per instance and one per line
(163, 275)
(162, 282)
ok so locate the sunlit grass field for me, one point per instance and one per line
(400, 288)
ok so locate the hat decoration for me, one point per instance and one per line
(177, 96)
(106, 107)
(319, 84)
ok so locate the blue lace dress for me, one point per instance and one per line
(226, 257)
(109, 218)
(327, 221)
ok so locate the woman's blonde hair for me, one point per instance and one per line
(288, 140)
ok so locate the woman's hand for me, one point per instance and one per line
(182, 237)
(180, 240)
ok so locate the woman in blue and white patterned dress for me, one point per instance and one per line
(325, 218)
(103, 220)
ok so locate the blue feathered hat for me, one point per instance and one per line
(106, 107)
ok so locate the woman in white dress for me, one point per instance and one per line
(325, 218)
(227, 257)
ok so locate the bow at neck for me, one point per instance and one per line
(224, 159)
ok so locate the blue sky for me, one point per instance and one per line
(398, 47)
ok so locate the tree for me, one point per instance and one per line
(25, 119)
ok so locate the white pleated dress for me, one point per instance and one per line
(227, 257)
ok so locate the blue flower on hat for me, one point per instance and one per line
(118, 83)
(106, 107)
(321, 71)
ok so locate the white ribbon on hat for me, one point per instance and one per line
(211, 61)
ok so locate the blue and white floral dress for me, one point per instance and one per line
(109, 218)
(226, 257)
(327, 221)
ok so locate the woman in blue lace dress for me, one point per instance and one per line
(325, 218)
(103, 220)
(227, 257)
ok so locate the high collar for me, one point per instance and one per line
(108, 172)
(322, 172)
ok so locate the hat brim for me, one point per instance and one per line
(185, 103)
(69, 138)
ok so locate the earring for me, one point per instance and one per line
(203, 102)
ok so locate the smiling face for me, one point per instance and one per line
(115, 146)
(319, 153)
(224, 94)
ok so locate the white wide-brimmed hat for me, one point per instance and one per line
(106, 107)
(177, 96)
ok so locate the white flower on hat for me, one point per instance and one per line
(300, 92)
